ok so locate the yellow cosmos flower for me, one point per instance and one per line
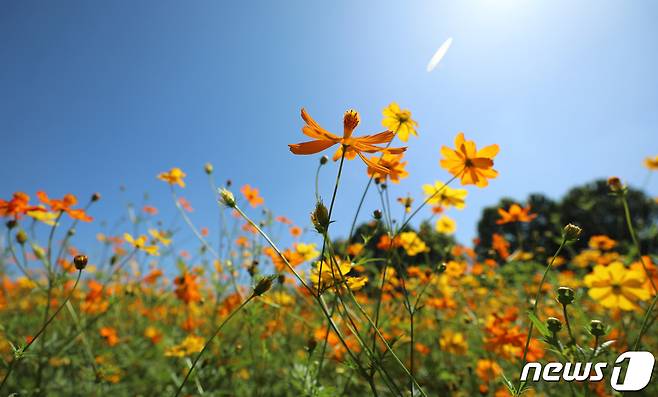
(333, 273)
(453, 342)
(445, 196)
(140, 244)
(472, 166)
(42, 215)
(396, 119)
(307, 251)
(446, 225)
(412, 244)
(651, 163)
(161, 237)
(173, 176)
(190, 345)
(616, 287)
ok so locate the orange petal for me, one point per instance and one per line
(311, 147)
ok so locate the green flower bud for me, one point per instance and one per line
(565, 295)
(21, 237)
(264, 285)
(320, 218)
(597, 328)
(554, 325)
(226, 198)
(572, 232)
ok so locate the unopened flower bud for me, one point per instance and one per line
(441, 268)
(21, 237)
(597, 328)
(95, 196)
(377, 214)
(615, 184)
(320, 218)
(80, 261)
(324, 159)
(208, 168)
(572, 232)
(565, 295)
(70, 232)
(226, 198)
(11, 224)
(229, 183)
(554, 324)
(311, 344)
(39, 253)
(264, 284)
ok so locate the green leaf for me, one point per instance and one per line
(541, 327)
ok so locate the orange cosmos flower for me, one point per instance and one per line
(472, 166)
(110, 335)
(173, 176)
(252, 195)
(500, 245)
(295, 231)
(515, 214)
(64, 205)
(353, 146)
(185, 204)
(187, 289)
(149, 209)
(392, 163)
(18, 206)
(601, 242)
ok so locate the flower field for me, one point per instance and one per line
(393, 307)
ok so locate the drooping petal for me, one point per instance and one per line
(310, 147)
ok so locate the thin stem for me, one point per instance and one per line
(631, 230)
(331, 208)
(365, 191)
(205, 347)
(203, 241)
(572, 340)
(538, 297)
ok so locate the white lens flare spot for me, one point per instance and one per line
(439, 54)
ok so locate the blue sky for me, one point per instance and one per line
(96, 95)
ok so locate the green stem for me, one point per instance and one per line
(331, 208)
(537, 298)
(205, 347)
